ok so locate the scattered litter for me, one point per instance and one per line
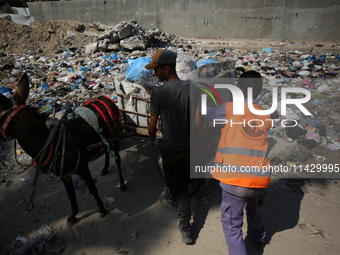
(290, 164)
(304, 73)
(22, 239)
(134, 235)
(313, 231)
(202, 62)
(319, 158)
(295, 132)
(309, 144)
(323, 88)
(334, 146)
(110, 200)
(41, 239)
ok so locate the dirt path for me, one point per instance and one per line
(301, 221)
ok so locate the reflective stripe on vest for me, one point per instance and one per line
(242, 151)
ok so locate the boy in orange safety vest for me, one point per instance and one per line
(242, 153)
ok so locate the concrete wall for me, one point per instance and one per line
(276, 19)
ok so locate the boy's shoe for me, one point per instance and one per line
(258, 245)
(170, 198)
(185, 228)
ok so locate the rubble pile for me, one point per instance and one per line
(44, 38)
(129, 36)
(58, 36)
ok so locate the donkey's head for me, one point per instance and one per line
(22, 90)
(8, 108)
(20, 94)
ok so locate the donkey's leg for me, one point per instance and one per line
(118, 160)
(87, 177)
(107, 164)
(67, 181)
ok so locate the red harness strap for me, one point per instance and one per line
(8, 120)
(104, 117)
(49, 157)
(111, 113)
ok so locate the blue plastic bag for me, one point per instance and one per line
(137, 68)
(322, 58)
(4, 90)
(309, 120)
(84, 69)
(311, 58)
(203, 62)
(113, 56)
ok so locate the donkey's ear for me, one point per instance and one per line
(5, 102)
(22, 90)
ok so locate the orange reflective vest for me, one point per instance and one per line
(241, 158)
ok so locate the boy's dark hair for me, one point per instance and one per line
(172, 66)
(254, 80)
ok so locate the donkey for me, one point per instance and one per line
(28, 126)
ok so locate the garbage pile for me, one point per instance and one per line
(316, 72)
(63, 77)
(112, 63)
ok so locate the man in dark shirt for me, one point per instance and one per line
(171, 101)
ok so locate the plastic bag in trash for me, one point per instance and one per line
(308, 121)
(309, 143)
(3, 90)
(295, 132)
(203, 62)
(137, 68)
(334, 146)
(6, 92)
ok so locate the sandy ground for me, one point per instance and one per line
(140, 221)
